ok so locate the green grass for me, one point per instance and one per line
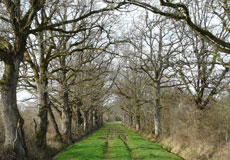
(95, 148)
(117, 151)
(146, 150)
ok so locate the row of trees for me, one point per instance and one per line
(56, 50)
(170, 48)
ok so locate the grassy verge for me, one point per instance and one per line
(146, 150)
(115, 142)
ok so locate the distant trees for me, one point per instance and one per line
(151, 55)
(156, 48)
(131, 89)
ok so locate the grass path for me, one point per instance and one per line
(116, 148)
(115, 142)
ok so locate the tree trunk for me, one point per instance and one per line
(94, 119)
(157, 121)
(42, 95)
(138, 122)
(66, 119)
(66, 110)
(138, 119)
(157, 114)
(91, 120)
(53, 121)
(42, 114)
(130, 120)
(123, 118)
(97, 123)
(101, 120)
(86, 121)
(78, 120)
(12, 120)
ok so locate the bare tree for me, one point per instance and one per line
(12, 52)
(203, 76)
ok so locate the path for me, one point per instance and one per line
(115, 142)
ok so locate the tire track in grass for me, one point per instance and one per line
(126, 145)
(116, 148)
(108, 143)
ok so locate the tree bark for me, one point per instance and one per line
(94, 119)
(66, 110)
(138, 122)
(12, 120)
(85, 121)
(157, 114)
(97, 123)
(42, 95)
(101, 120)
(130, 120)
(78, 120)
(42, 114)
(91, 120)
(66, 118)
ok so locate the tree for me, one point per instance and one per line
(11, 53)
(92, 90)
(198, 68)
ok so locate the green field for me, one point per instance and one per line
(115, 142)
